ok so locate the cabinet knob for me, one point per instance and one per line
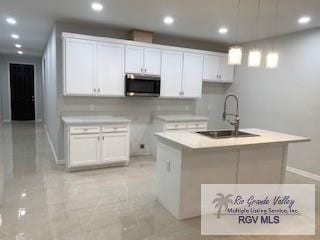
(98, 90)
(94, 90)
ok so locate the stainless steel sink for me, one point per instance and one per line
(226, 134)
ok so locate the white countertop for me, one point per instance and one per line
(93, 119)
(180, 117)
(197, 141)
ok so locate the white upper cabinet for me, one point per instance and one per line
(79, 67)
(110, 69)
(192, 75)
(97, 67)
(93, 68)
(134, 59)
(217, 69)
(171, 73)
(152, 61)
(210, 67)
(143, 60)
(226, 70)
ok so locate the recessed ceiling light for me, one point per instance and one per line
(96, 6)
(15, 36)
(11, 20)
(20, 52)
(304, 20)
(18, 45)
(223, 30)
(168, 20)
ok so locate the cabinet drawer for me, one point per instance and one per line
(197, 125)
(84, 129)
(115, 128)
(176, 125)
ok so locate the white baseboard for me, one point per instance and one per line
(58, 161)
(303, 173)
(8, 121)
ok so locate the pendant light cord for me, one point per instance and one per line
(237, 23)
(258, 23)
(276, 25)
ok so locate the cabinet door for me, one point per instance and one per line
(192, 75)
(110, 69)
(152, 61)
(79, 67)
(84, 150)
(115, 147)
(134, 59)
(226, 71)
(171, 73)
(210, 68)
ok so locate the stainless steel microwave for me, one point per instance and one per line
(142, 85)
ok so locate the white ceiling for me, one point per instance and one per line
(193, 18)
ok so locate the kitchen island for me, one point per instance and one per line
(186, 160)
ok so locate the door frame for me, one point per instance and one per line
(34, 86)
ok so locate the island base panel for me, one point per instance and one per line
(180, 172)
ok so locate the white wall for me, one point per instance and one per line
(5, 83)
(139, 110)
(286, 99)
(49, 62)
(1, 94)
(211, 104)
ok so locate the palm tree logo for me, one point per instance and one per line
(221, 201)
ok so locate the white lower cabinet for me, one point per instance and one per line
(114, 147)
(84, 150)
(93, 146)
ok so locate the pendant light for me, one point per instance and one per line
(254, 59)
(272, 58)
(235, 52)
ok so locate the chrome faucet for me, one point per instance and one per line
(236, 122)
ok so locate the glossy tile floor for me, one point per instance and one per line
(39, 200)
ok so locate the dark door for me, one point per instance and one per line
(22, 92)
